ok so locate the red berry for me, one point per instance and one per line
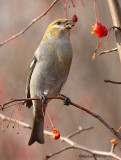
(102, 32)
(99, 30)
(56, 136)
(96, 27)
(56, 133)
(74, 18)
(105, 31)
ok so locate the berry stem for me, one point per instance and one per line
(44, 108)
(46, 124)
(49, 118)
(107, 39)
(19, 117)
(98, 11)
(117, 154)
(69, 3)
(75, 8)
(119, 129)
(95, 9)
(16, 117)
(65, 7)
(11, 116)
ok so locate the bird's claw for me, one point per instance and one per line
(44, 99)
(67, 100)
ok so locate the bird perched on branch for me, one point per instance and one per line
(48, 71)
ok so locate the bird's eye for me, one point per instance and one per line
(58, 23)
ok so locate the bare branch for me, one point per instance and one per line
(113, 82)
(94, 157)
(108, 51)
(113, 147)
(80, 130)
(72, 144)
(24, 100)
(58, 152)
(29, 25)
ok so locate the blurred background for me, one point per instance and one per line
(85, 85)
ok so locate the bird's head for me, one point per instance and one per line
(58, 28)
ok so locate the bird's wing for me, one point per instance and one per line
(32, 66)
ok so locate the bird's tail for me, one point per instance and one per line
(37, 131)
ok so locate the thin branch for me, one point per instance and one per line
(113, 82)
(58, 152)
(113, 147)
(80, 130)
(116, 28)
(24, 100)
(29, 25)
(94, 157)
(86, 149)
(108, 51)
(68, 141)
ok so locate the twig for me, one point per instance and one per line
(80, 130)
(94, 157)
(29, 25)
(108, 51)
(86, 149)
(58, 152)
(68, 141)
(113, 147)
(113, 82)
(116, 28)
(71, 103)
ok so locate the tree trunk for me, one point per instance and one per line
(115, 10)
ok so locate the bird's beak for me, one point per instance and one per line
(70, 24)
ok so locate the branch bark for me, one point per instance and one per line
(108, 51)
(113, 82)
(115, 10)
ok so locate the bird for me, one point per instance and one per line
(48, 72)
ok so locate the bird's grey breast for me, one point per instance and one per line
(51, 70)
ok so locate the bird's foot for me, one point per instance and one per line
(67, 100)
(43, 99)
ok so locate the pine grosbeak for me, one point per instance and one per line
(48, 71)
